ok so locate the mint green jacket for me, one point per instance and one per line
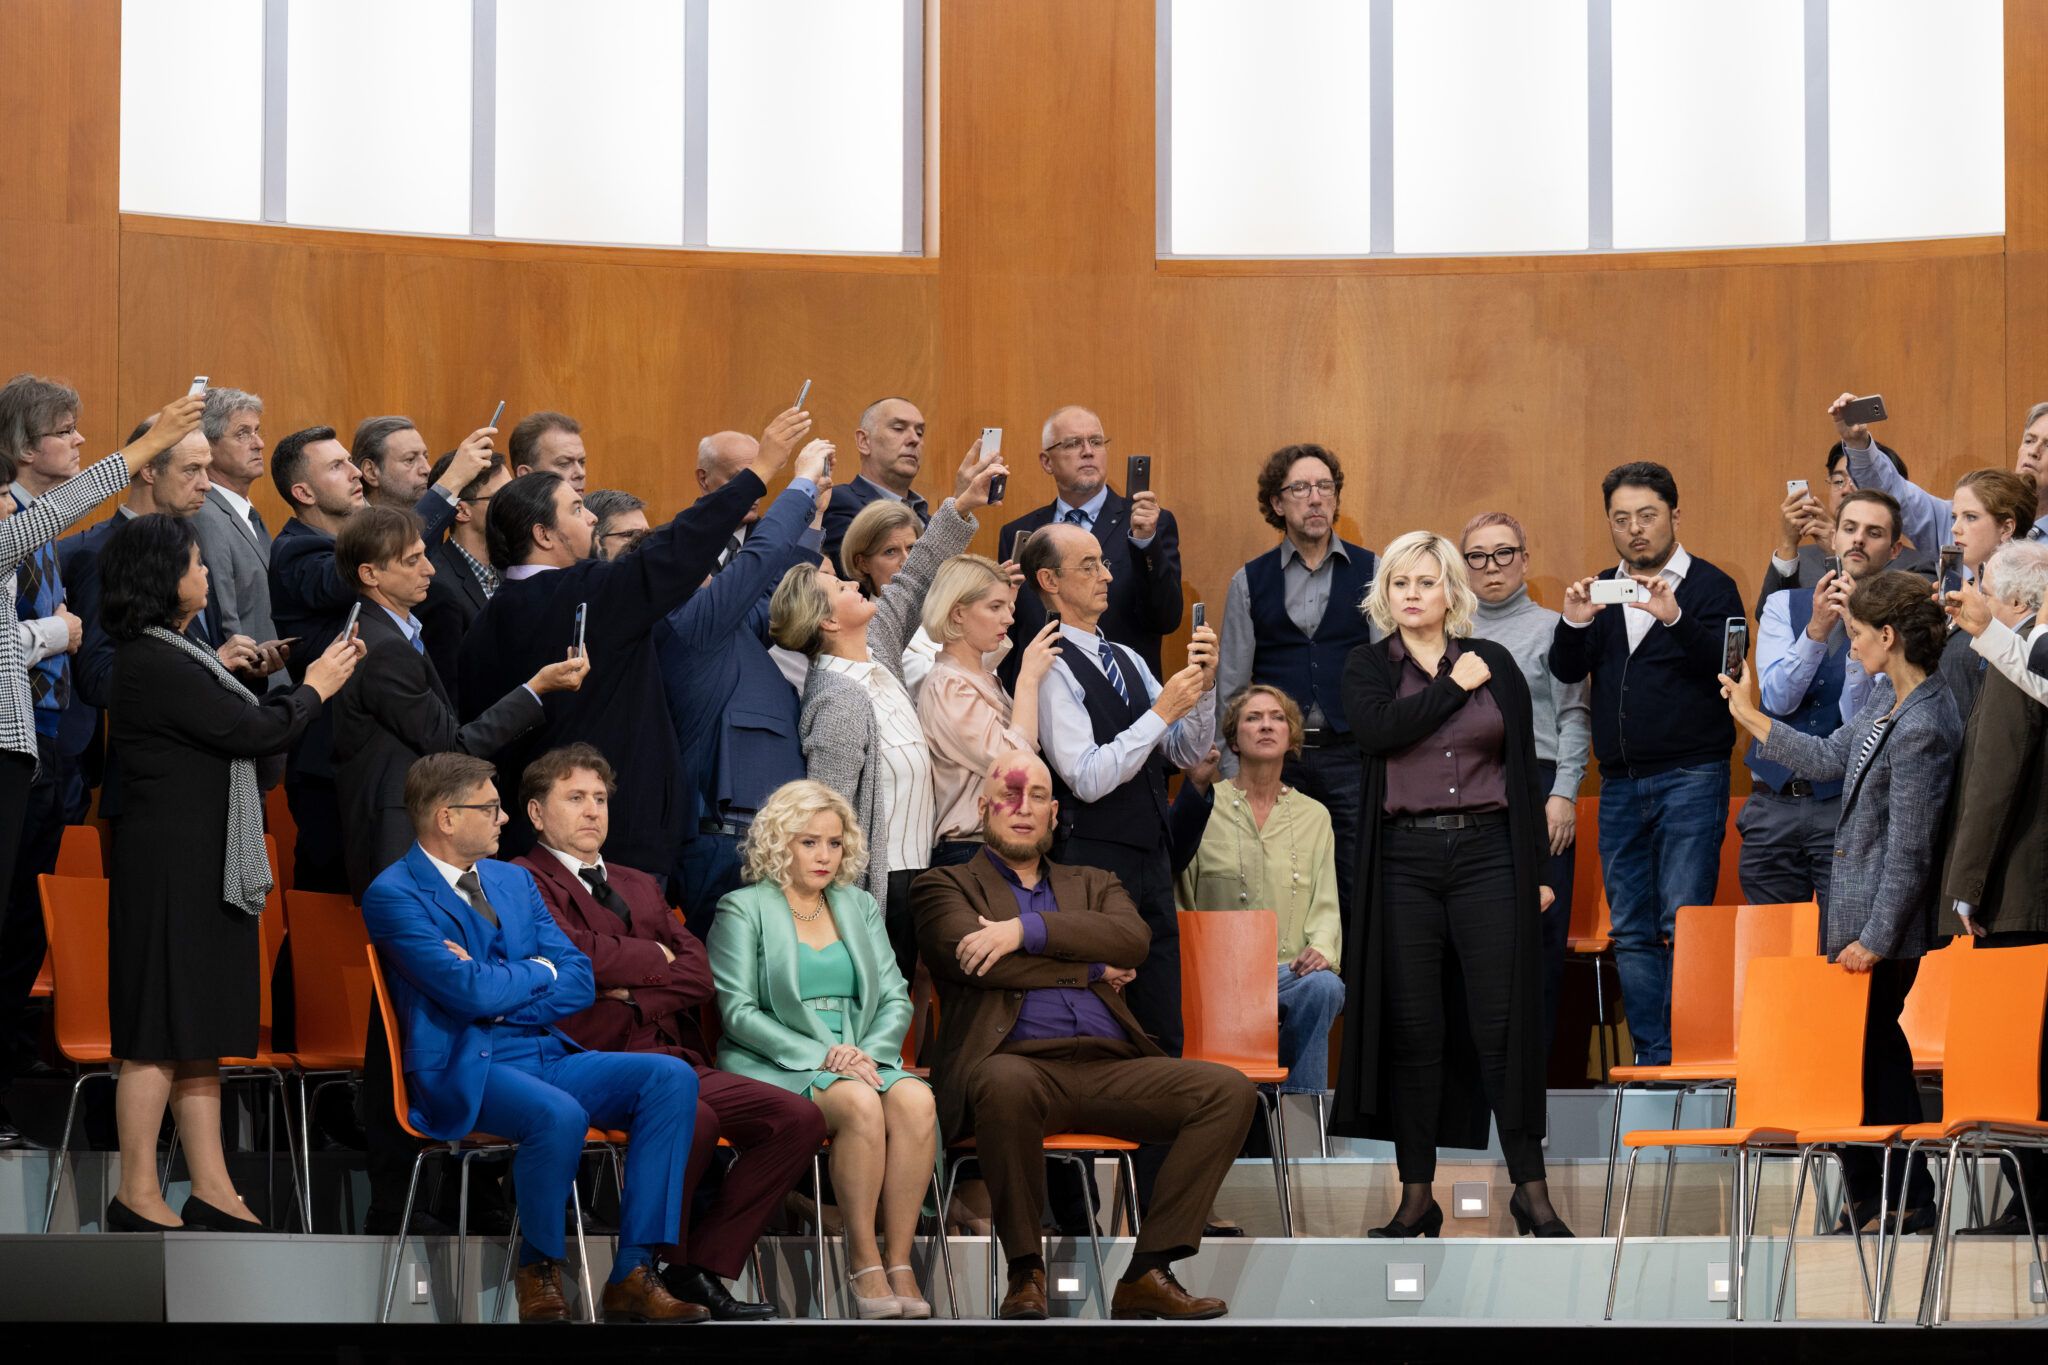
(770, 1034)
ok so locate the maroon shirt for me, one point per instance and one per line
(1462, 767)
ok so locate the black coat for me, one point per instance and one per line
(392, 711)
(1386, 725)
(454, 599)
(1144, 585)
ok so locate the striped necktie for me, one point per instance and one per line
(1116, 675)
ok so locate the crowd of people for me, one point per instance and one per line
(692, 828)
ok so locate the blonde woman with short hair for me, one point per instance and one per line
(968, 717)
(1452, 852)
(811, 1001)
(877, 543)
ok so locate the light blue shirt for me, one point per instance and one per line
(1787, 661)
(1929, 522)
(1067, 736)
(408, 626)
(1091, 512)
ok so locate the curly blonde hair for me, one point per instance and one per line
(777, 824)
(1461, 602)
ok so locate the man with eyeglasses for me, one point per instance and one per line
(890, 441)
(1496, 554)
(1290, 620)
(1801, 516)
(464, 580)
(621, 522)
(1660, 730)
(1140, 543)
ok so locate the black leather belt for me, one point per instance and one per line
(725, 827)
(1326, 739)
(1463, 819)
(1798, 786)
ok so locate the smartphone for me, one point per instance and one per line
(803, 393)
(1611, 592)
(348, 627)
(582, 619)
(1201, 615)
(1833, 565)
(1054, 618)
(992, 444)
(198, 385)
(1137, 475)
(1734, 646)
(1863, 410)
(1795, 487)
(496, 415)
(1951, 564)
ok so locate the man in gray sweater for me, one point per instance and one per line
(1497, 555)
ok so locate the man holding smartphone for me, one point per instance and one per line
(1660, 731)
(1140, 542)
(1807, 679)
(1803, 517)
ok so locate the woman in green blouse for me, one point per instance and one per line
(1259, 845)
(811, 1001)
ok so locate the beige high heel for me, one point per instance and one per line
(881, 1305)
(912, 1306)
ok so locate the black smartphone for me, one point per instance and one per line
(1734, 646)
(1201, 615)
(1054, 618)
(1137, 475)
(1834, 565)
(582, 619)
(1864, 410)
(1951, 565)
(348, 627)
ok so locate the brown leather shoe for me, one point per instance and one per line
(642, 1297)
(1026, 1300)
(539, 1287)
(1156, 1294)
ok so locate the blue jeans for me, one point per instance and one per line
(1660, 848)
(1309, 1004)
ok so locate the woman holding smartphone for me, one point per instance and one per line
(1991, 506)
(1896, 762)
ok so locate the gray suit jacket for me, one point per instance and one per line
(1998, 855)
(240, 564)
(1887, 866)
(837, 723)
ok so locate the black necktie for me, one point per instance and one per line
(256, 521)
(469, 886)
(601, 891)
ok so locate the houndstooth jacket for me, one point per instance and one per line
(21, 535)
(837, 725)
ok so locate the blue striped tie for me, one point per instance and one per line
(1116, 675)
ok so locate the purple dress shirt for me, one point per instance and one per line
(1053, 1011)
(1462, 767)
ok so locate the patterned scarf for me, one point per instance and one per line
(245, 872)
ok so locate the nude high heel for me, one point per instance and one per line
(881, 1305)
(912, 1306)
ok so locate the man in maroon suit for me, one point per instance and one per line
(652, 976)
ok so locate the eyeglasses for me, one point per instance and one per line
(1088, 567)
(1647, 518)
(1504, 556)
(1298, 491)
(65, 433)
(494, 808)
(1074, 443)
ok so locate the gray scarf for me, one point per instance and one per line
(245, 872)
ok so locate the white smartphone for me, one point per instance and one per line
(1794, 487)
(198, 385)
(992, 444)
(582, 619)
(1610, 592)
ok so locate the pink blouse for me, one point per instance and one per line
(966, 718)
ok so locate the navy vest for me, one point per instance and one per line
(1310, 670)
(1820, 713)
(1135, 813)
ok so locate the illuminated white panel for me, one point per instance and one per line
(192, 108)
(590, 121)
(1271, 127)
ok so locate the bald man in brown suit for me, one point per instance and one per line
(1035, 1038)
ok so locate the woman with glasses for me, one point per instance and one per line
(1496, 553)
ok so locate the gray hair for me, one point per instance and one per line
(2034, 414)
(372, 435)
(608, 505)
(2018, 572)
(707, 455)
(867, 414)
(221, 407)
(1045, 432)
(28, 406)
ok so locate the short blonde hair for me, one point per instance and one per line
(776, 825)
(1400, 556)
(1234, 712)
(800, 605)
(872, 525)
(961, 581)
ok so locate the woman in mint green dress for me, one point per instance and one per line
(811, 1001)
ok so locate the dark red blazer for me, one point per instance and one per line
(666, 995)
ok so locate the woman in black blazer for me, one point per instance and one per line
(189, 875)
(1444, 1021)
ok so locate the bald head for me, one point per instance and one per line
(1017, 808)
(720, 458)
(891, 443)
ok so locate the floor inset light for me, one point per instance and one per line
(1069, 1286)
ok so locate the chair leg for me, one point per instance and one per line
(1887, 1236)
(63, 1152)
(582, 1255)
(461, 1230)
(1737, 1203)
(1792, 1233)
(945, 1249)
(1855, 1230)
(1671, 1164)
(512, 1258)
(1087, 1168)
(1613, 1156)
(2019, 1186)
(1275, 1137)
(1322, 1127)
(1628, 1183)
(306, 1154)
(818, 1229)
(1936, 1276)
(404, 1225)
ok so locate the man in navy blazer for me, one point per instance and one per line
(479, 974)
(890, 442)
(1140, 543)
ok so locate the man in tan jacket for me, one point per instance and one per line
(1035, 1038)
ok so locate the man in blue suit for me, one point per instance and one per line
(479, 973)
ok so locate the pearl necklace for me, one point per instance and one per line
(1244, 884)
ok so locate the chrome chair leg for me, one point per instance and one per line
(63, 1153)
(945, 1249)
(1671, 1163)
(1613, 1157)
(1322, 1126)
(818, 1228)
(404, 1226)
(1087, 1169)
(512, 1259)
(1130, 1183)
(1276, 1137)
(1620, 1233)
(1792, 1233)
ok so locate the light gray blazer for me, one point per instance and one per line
(837, 724)
(1887, 869)
(240, 564)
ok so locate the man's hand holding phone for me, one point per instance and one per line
(1800, 516)
(976, 473)
(1661, 603)
(1853, 435)
(1202, 653)
(472, 458)
(1579, 606)
(814, 462)
(783, 435)
(1144, 515)
(1830, 600)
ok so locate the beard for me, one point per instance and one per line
(1011, 848)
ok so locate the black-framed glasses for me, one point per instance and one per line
(1302, 488)
(1074, 443)
(1504, 556)
(494, 807)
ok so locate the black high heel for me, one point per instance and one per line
(201, 1216)
(121, 1218)
(1527, 1226)
(1429, 1225)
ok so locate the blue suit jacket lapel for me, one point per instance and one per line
(472, 930)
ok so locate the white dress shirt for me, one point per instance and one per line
(577, 867)
(1067, 736)
(1634, 618)
(905, 763)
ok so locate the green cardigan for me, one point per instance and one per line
(770, 1034)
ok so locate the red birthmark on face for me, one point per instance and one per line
(1014, 782)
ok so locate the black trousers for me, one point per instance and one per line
(317, 862)
(22, 943)
(1557, 922)
(1890, 1094)
(1334, 776)
(1450, 894)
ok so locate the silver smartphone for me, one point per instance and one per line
(582, 620)
(803, 393)
(1611, 592)
(348, 627)
(992, 444)
(1795, 487)
(198, 385)
(496, 415)
(1201, 615)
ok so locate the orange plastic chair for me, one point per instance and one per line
(75, 921)
(1925, 1018)
(1728, 882)
(284, 834)
(1230, 1013)
(78, 855)
(1589, 937)
(1991, 1088)
(331, 991)
(1799, 1061)
(466, 1149)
